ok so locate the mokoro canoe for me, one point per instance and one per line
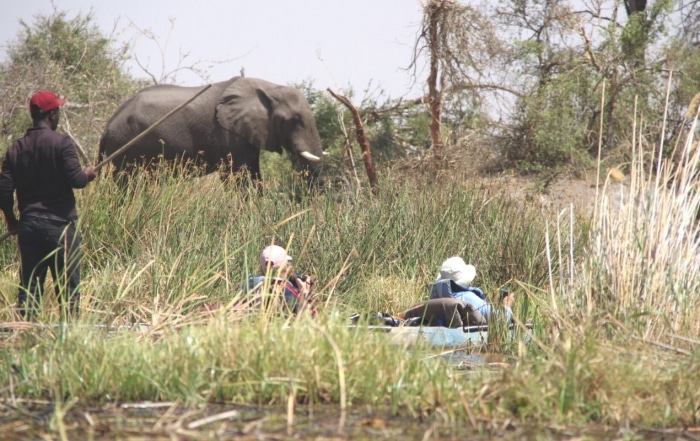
(10, 328)
(407, 335)
(437, 335)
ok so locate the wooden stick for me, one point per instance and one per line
(148, 130)
(81, 150)
(229, 414)
(6, 235)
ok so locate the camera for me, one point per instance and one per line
(296, 276)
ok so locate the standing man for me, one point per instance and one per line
(43, 168)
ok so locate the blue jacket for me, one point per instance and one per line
(472, 295)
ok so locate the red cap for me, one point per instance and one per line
(46, 100)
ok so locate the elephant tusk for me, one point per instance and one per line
(309, 156)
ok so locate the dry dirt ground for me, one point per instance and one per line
(553, 192)
(563, 191)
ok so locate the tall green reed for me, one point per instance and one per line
(643, 256)
(619, 336)
(168, 245)
(164, 250)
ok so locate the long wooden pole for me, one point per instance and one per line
(6, 235)
(129, 144)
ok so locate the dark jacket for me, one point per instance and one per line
(43, 168)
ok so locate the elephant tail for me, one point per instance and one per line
(101, 147)
(101, 153)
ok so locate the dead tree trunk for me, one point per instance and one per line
(361, 139)
(434, 12)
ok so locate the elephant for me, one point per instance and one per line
(223, 129)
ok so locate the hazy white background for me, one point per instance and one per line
(334, 43)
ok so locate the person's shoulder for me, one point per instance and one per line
(30, 133)
(256, 278)
(48, 134)
(62, 138)
(478, 291)
(14, 146)
(45, 135)
(254, 282)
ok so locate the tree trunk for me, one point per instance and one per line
(434, 11)
(635, 37)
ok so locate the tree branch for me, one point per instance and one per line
(466, 86)
(361, 139)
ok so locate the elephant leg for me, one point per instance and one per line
(254, 170)
(247, 166)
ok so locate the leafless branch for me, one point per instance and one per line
(589, 51)
(467, 86)
(361, 139)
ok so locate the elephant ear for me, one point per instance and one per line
(245, 109)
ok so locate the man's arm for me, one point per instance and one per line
(7, 195)
(76, 175)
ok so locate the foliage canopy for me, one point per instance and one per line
(72, 57)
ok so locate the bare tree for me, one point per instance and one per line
(167, 71)
(690, 20)
(534, 71)
(456, 39)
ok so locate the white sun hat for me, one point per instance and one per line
(456, 269)
(275, 256)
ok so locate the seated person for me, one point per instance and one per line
(447, 312)
(455, 276)
(279, 275)
(454, 281)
